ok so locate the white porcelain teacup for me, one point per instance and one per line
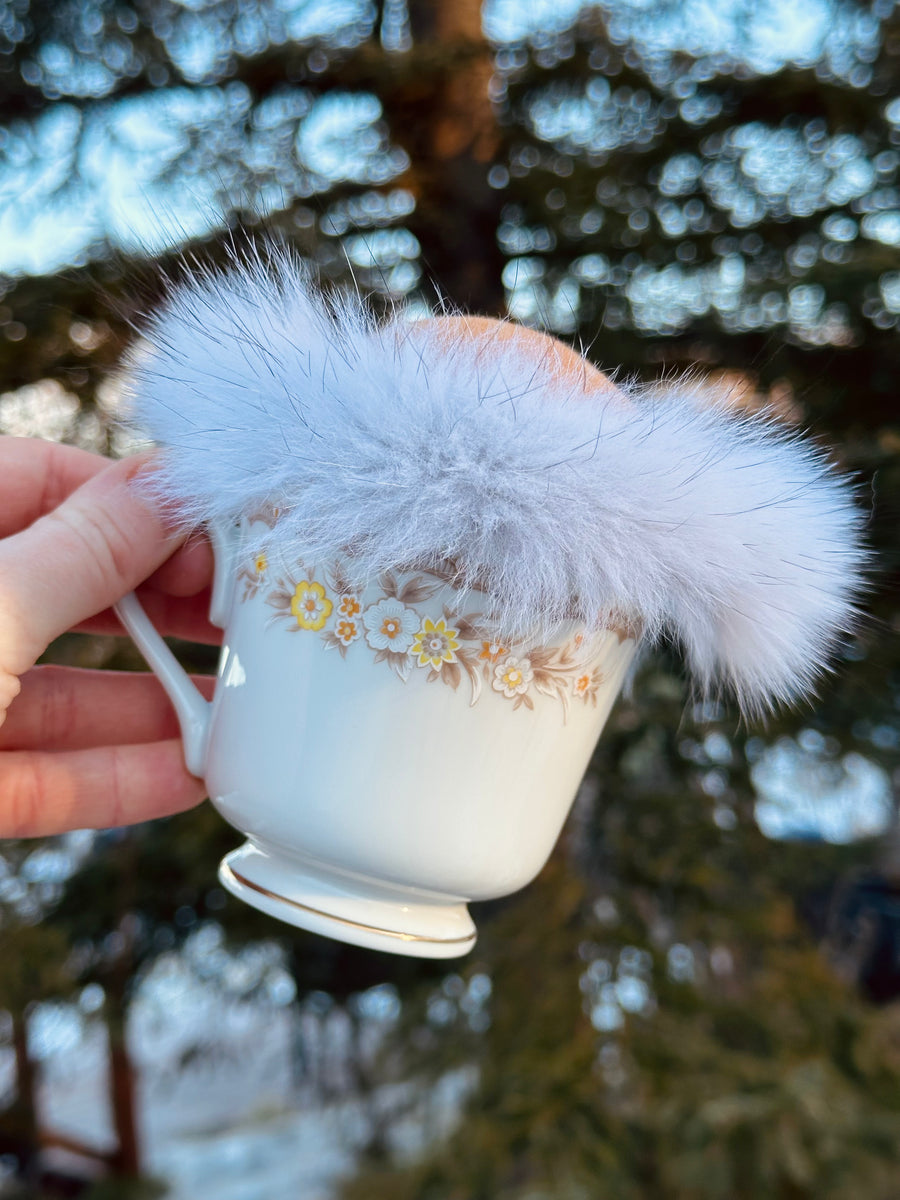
(386, 754)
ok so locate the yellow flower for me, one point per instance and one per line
(310, 605)
(582, 684)
(261, 563)
(435, 644)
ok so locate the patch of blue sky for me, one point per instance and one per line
(882, 227)
(596, 119)
(201, 40)
(765, 35)
(134, 188)
(805, 791)
(512, 21)
(345, 21)
(117, 194)
(341, 139)
(149, 200)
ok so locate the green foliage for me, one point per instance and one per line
(128, 1189)
(33, 961)
(679, 1007)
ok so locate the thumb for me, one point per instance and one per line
(76, 561)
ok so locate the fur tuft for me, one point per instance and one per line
(408, 447)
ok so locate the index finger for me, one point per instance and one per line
(37, 476)
(77, 560)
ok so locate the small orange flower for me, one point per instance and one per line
(585, 686)
(260, 564)
(349, 606)
(347, 632)
(492, 651)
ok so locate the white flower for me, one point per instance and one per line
(390, 625)
(512, 676)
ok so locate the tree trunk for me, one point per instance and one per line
(122, 1090)
(445, 121)
(26, 1130)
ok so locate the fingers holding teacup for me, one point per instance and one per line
(73, 562)
(36, 476)
(186, 618)
(73, 708)
(48, 793)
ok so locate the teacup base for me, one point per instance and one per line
(348, 907)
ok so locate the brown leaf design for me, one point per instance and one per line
(546, 684)
(470, 667)
(388, 583)
(382, 655)
(445, 571)
(332, 641)
(624, 628)
(417, 589)
(337, 577)
(452, 674)
(470, 631)
(267, 514)
(540, 658)
(400, 664)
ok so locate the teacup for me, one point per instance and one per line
(388, 753)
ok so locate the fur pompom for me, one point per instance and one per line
(404, 446)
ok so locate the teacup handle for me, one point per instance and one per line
(191, 708)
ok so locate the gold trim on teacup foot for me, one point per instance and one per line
(318, 912)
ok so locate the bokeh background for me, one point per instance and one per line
(700, 997)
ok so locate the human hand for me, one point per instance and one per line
(86, 748)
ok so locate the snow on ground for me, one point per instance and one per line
(222, 1116)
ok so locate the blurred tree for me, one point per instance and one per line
(672, 1010)
(33, 957)
(652, 1017)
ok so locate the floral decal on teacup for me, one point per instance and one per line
(310, 605)
(435, 644)
(390, 625)
(446, 645)
(512, 677)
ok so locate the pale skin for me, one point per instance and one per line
(86, 748)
